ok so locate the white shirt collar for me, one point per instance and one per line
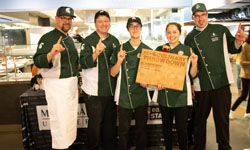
(200, 29)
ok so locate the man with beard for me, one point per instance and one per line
(57, 60)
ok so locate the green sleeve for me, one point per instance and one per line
(86, 59)
(231, 42)
(40, 57)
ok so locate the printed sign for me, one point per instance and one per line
(154, 116)
(165, 69)
(43, 117)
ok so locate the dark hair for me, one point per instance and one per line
(101, 13)
(174, 23)
(248, 38)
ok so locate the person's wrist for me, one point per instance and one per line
(238, 43)
(95, 54)
(50, 54)
(120, 61)
(194, 62)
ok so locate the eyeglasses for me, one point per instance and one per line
(137, 27)
(64, 19)
(200, 16)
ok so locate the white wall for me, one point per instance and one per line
(36, 33)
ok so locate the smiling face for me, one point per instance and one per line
(102, 24)
(134, 30)
(200, 19)
(173, 34)
(64, 23)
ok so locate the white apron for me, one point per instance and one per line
(62, 100)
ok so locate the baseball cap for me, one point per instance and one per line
(101, 13)
(133, 19)
(199, 7)
(65, 11)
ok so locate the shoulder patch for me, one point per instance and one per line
(114, 46)
(180, 52)
(40, 45)
(82, 46)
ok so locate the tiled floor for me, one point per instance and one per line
(11, 138)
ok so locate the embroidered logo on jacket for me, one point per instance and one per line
(82, 46)
(40, 45)
(214, 37)
(114, 46)
(138, 55)
(180, 52)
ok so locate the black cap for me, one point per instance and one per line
(101, 13)
(134, 19)
(65, 11)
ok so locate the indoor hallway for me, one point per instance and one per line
(11, 137)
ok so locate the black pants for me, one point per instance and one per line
(245, 92)
(101, 111)
(181, 115)
(190, 126)
(220, 101)
(125, 117)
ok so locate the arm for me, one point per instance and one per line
(234, 43)
(98, 50)
(57, 48)
(46, 50)
(116, 68)
(86, 59)
(88, 56)
(242, 56)
(240, 37)
(245, 63)
(194, 59)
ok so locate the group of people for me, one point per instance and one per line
(109, 72)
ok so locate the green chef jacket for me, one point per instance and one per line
(212, 46)
(129, 94)
(96, 78)
(64, 64)
(175, 98)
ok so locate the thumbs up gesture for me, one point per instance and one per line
(99, 47)
(121, 54)
(57, 48)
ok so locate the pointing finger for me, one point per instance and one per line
(121, 48)
(239, 28)
(59, 40)
(191, 52)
